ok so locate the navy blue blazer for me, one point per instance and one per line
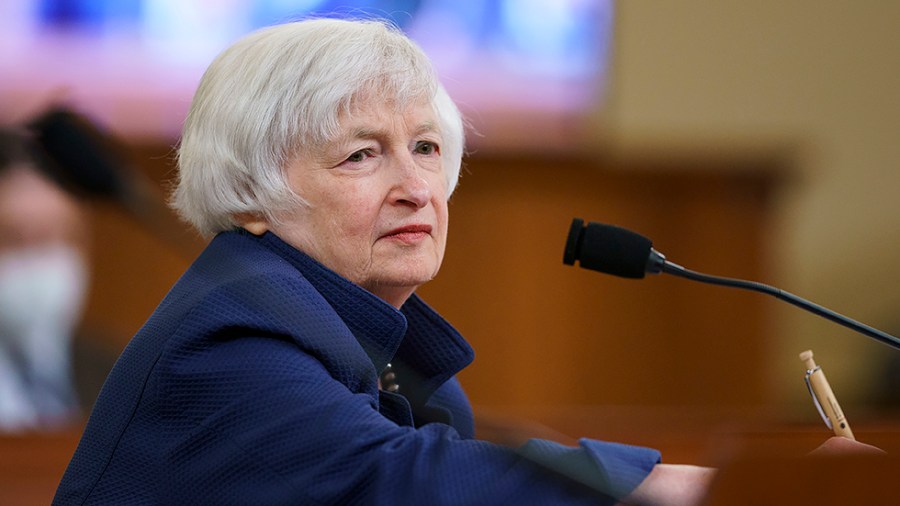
(255, 382)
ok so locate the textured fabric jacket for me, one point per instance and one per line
(255, 382)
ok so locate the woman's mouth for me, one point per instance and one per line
(409, 234)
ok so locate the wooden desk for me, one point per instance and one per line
(820, 481)
(761, 461)
(709, 436)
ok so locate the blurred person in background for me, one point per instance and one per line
(43, 282)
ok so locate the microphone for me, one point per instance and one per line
(621, 252)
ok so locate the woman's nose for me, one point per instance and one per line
(412, 188)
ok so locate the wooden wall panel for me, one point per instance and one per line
(546, 333)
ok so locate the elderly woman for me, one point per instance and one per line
(293, 362)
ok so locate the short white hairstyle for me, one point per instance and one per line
(282, 89)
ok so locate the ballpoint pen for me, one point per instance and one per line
(824, 398)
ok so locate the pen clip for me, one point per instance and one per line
(816, 399)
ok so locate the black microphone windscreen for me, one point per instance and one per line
(607, 248)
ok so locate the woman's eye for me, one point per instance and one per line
(359, 156)
(426, 148)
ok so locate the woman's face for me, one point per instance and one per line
(377, 197)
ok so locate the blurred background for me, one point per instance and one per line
(755, 140)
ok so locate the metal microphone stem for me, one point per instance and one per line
(677, 270)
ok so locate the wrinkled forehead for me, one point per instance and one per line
(384, 99)
(374, 116)
(390, 94)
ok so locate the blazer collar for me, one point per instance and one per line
(429, 351)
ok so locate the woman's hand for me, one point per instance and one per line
(672, 484)
(838, 445)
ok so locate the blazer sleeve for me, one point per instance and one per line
(259, 421)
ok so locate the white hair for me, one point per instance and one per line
(283, 88)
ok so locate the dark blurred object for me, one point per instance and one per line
(92, 164)
(84, 159)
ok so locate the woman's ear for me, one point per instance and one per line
(252, 223)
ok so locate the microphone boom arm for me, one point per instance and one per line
(676, 270)
(621, 252)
